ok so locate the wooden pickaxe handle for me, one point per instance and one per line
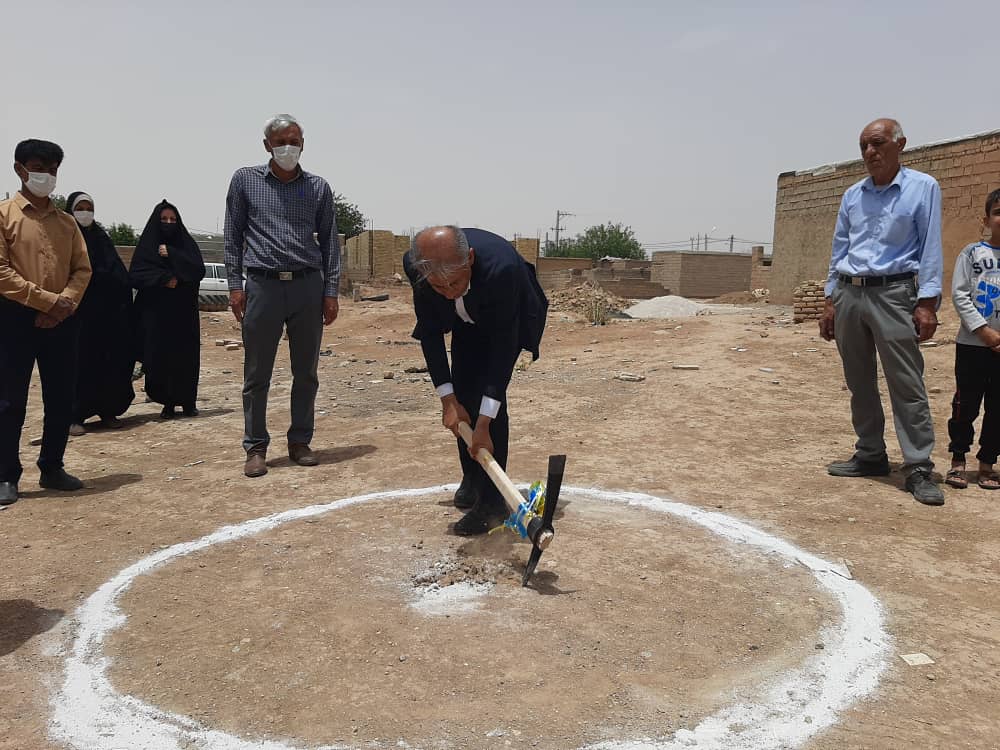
(486, 460)
(502, 482)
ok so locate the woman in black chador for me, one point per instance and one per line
(166, 269)
(105, 360)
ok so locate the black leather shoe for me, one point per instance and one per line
(8, 493)
(923, 489)
(855, 467)
(168, 413)
(60, 480)
(466, 495)
(480, 520)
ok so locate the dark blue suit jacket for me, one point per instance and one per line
(505, 302)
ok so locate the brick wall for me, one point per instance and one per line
(760, 268)
(807, 202)
(374, 254)
(528, 248)
(545, 265)
(125, 252)
(695, 274)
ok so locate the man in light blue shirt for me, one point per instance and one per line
(882, 294)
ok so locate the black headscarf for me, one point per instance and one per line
(104, 258)
(183, 261)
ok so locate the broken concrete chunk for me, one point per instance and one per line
(630, 377)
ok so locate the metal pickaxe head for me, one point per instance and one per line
(540, 530)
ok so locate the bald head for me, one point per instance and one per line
(881, 142)
(441, 256)
(442, 245)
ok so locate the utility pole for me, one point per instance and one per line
(706, 242)
(557, 227)
(731, 237)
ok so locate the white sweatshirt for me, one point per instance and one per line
(975, 290)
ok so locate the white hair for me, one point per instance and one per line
(897, 131)
(280, 122)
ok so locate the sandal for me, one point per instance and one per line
(956, 478)
(989, 480)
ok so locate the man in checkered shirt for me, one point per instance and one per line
(281, 237)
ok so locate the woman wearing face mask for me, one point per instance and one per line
(166, 269)
(105, 361)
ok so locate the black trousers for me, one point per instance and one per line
(469, 363)
(55, 351)
(977, 380)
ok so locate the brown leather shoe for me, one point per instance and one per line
(256, 465)
(301, 454)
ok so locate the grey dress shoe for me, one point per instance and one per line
(856, 467)
(923, 489)
(8, 493)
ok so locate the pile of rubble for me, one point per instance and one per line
(585, 299)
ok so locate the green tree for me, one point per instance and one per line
(350, 220)
(567, 249)
(59, 201)
(122, 235)
(615, 240)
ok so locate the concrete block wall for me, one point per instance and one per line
(807, 202)
(561, 279)
(695, 274)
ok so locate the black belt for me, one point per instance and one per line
(874, 280)
(281, 275)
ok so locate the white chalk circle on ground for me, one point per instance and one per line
(88, 714)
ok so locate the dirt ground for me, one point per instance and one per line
(340, 628)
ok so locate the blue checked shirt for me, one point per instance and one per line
(891, 230)
(271, 224)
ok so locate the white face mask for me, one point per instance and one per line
(41, 184)
(84, 218)
(286, 157)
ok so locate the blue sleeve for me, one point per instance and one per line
(841, 244)
(329, 241)
(235, 232)
(929, 244)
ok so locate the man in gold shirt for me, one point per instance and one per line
(44, 271)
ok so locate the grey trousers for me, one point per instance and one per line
(273, 305)
(880, 319)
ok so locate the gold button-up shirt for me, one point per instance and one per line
(42, 255)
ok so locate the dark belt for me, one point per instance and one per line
(265, 273)
(874, 280)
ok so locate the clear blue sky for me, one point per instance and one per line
(668, 117)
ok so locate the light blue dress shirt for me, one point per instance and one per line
(883, 231)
